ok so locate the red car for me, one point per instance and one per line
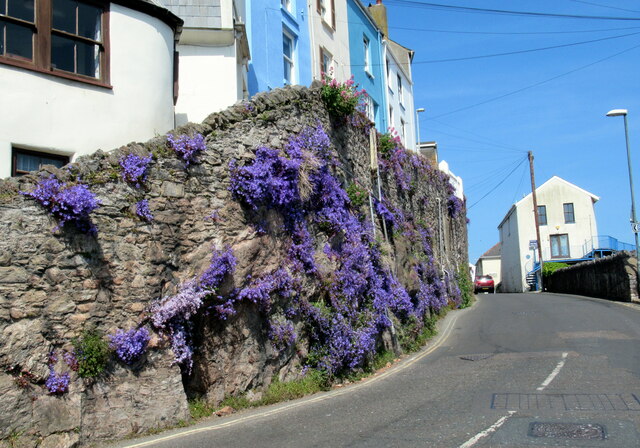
(483, 283)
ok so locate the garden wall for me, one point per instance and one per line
(613, 278)
(57, 283)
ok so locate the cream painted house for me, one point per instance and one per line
(567, 230)
(490, 264)
(329, 36)
(82, 76)
(213, 57)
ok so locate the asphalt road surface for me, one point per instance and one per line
(515, 370)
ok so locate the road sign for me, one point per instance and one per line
(533, 244)
(635, 226)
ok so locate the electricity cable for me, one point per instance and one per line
(498, 184)
(604, 6)
(469, 9)
(539, 83)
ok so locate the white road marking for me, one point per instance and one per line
(301, 402)
(554, 373)
(490, 430)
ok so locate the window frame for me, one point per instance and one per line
(571, 213)
(558, 237)
(366, 45)
(15, 151)
(399, 88)
(540, 215)
(43, 33)
(324, 54)
(290, 59)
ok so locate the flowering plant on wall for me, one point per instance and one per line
(341, 98)
(134, 169)
(68, 203)
(130, 345)
(186, 147)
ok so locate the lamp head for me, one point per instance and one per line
(617, 113)
(421, 109)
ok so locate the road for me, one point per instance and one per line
(515, 370)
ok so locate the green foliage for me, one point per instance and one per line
(340, 98)
(93, 353)
(550, 268)
(414, 335)
(102, 176)
(465, 285)
(357, 195)
(386, 144)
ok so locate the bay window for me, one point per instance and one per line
(67, 38)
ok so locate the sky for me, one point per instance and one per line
(485, 113)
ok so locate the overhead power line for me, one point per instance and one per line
(498, 184)
(539, 83)
(605, 6)
(530, 50)
(468, 9)
(512, 33)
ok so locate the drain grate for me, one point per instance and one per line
(574, 431)
(566, 402)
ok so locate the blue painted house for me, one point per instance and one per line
(278, 33)
(366, 50)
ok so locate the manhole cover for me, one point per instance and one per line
(476, 357)
(575, 431)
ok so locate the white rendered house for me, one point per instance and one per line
(490, 264)
(329, 36)
(567, 230)
(213, 57)
(81, 76)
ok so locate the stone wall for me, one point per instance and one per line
(55, 283)
(613, 278)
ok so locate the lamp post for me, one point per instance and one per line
(421, 109)
(634, 222)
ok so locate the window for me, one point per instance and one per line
(68, 38)
(403, 134)
(327, 11)
(288, 53)
(286, 4)
(559, 246)
(391, 120)
(569, 216)
(369, 108)
(23, 161)
(326, 61)
(400, 89)
(542, 215)
(388, 73)
(367, 60)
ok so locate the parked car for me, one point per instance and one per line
(483, 283)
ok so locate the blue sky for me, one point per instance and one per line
(560, 114)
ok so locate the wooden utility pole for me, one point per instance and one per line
(535, 213)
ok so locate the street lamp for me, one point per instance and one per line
(634, 222)
(421, 109)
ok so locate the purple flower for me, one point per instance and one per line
(282, 335)
(187, 148)
(222, 264)
(67, 203)
(454, 205)
(134, 169)
(142, 210)
(130, 345)
(56, 383)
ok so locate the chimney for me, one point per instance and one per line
(379, 14)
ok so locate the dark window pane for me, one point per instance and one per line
(62, 53)
(88, 59)
(89, 21)
(21, 9)
(19, 41)
(2, 46)
(55, 162)
(3, 7)
(64, 15)
(26, 162)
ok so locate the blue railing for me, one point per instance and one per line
(606, 242)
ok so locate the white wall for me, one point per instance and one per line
(511, 269)
(208, 81)
(402, 110)
(490, 266)
(61, 116)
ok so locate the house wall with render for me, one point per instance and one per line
(47, 113)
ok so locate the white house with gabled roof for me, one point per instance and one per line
(567, 230)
